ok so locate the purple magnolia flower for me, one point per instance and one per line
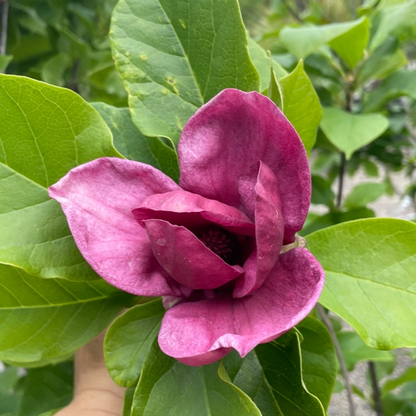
(216, 246)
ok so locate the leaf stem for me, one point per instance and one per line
(376, 389)
(4, 21)
(341, 361)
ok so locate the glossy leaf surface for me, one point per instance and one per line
(42, 319)
(173, 57)
(374, 293)
(44, 132)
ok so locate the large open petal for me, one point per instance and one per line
(198, 333)
(234, 131)
(186, 258)
(192, 210)
(98, 198)
(267, 213)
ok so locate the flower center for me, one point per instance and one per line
(222, 243)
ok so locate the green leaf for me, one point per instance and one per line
(348, 39)
(128, 401)
(400, 83)
(175, 56)
(301, 105)
(45, 318)
(350, 45)
(131, 143)
(125, 353)
(370, 168)
(386, 59)
(47, 388)
(54, 68)
(168, 387)
(261, 62)
(44, 132)
(316, 222)
(392, 384)
(321, 191)
(363, 194)
(370, 281)
(4, 61)
(319, 361)
(349, 132)
(274, 91)
(127, 138)
(354, 350)
(8, 378)
(393, 20)
(272, 376)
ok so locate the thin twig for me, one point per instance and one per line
(349, 100)
(4, 20)
(341, 361)
(341, 175)
(292, 11)
(73, 85)
(376, 389)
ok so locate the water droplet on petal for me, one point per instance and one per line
(161, 242)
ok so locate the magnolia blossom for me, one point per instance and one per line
(218, 246)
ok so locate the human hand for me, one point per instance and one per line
(95, 393)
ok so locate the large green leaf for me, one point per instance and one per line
(272, 376)
(44, 132)
(129, 339)
(363, 194)
(301, 105)
(348, 132)
(370, 278)
(354, 350)
(383, 61)
(319, 361)
(400, 83)
(348, 39)
(45, 318)
(175, 56)
(131, 143)
(170, 388)
(392, 20)
(47, 388)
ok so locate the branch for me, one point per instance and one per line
(341, 361)
(4, 21)
(341, 175)
(376, 389)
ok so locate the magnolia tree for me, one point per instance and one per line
(176, 222)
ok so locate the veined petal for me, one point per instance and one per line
(191, 210)
(231, 133)
(198, 333)
(186, 258)
(262, 187)
(98, 198)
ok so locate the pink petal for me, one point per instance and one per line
(269, 227)
(191, 210)
(186, 258)
(234, 131)
(97, 199)
(198, 333)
